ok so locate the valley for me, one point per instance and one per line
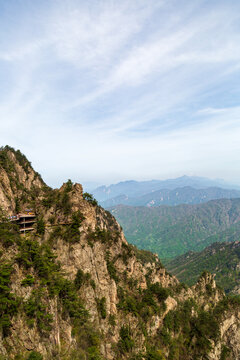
(170, 231)
(73, 288)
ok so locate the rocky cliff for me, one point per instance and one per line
(75, 289)
(19, 183)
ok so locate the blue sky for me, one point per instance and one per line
(110, 90)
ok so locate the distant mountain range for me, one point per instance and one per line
(185, 189)
(171, 231)
(222, 259)
(184, 195)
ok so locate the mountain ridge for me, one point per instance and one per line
(177, 196)
(74, 289)
(133, 188)
(171, 231)
(221, 259)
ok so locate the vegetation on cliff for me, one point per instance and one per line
(73, 288)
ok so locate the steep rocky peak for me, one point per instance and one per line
(19, 183)
(206, 279)
(78, 290)
(11, 159)
(94, 254)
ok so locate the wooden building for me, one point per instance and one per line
(25, 221)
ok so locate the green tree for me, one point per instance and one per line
(40, 226)
(34, 355)
(90, 198)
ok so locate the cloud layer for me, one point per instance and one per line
(108, 90)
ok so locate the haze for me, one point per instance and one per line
(105, 91)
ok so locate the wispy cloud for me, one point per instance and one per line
(118, 87)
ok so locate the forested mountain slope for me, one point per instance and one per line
(171, 231)
(221, 259)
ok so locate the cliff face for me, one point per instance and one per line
(75, 289)
(19, 183)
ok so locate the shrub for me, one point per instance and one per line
(72, 233)
(8, 302)
(94, 353)
(40, 257)
(9, 234)
(112, 271)
(126, 342)
(69, 185)
(34, 355)
(148, 299)
(197, 329)
(112, 320)
(90, 199)
(17, 205)
(36, 311)
(126, 253)
(101, 306)
(111, 268)
(62, 200)
(22, 160)
(132, 283)
(28, 281)
(106, 237)
(88, 340)
(153, 354)
(225, 352)
(145, 256)
(51, 219)
(71, 303)
(81, 278)
(50, 199)
(64, 203)
(56, 233)
(160, 292)
(93, 284)
(205, 326)
(40, 226)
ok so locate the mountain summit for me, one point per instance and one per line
(185, 189)
(73, 288)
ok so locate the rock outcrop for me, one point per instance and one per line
(76, 289)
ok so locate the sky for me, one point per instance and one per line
(105, 91)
